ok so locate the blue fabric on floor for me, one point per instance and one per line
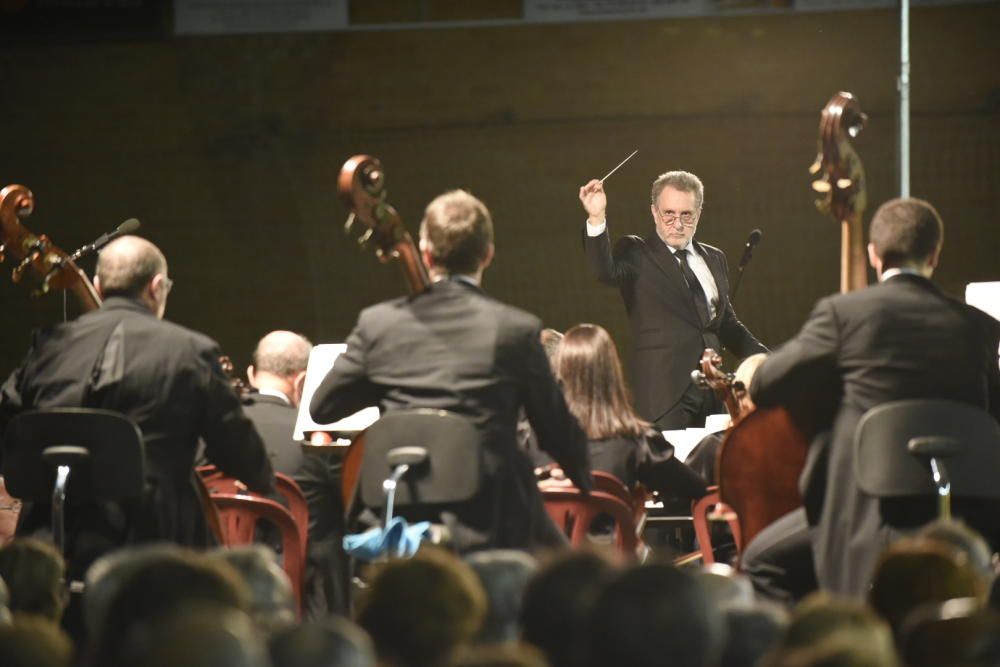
(397, 539)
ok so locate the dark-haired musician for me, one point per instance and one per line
(454, 348)
(900, 339)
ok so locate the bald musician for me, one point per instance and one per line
(125, 357)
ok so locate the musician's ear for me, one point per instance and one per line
(97, 287)
(298, 387)
(425, 252)
(874, 259)
(490, 252)
(934, 257)
(250, 376)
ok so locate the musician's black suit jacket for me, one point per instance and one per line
(318, 475)
(454, 348)
(168, 380)
(896, 340)
(667, 335)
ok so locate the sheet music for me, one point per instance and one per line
(985, 297)
(686, 439)
(320, 362)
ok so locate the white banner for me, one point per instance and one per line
(217, 17)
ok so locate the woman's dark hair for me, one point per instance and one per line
(594, 385)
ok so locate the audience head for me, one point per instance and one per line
(654, 611)
(912, 572)
(499, 655)
(106, 575)
(198, 636)
(133, 267)
(557, 605)
(33, 571)
(33, 641)
(418, 611)
(456, 235)
(905, 233)
(331, 642)
(272, 601)
(279, 363)
(957, 535)
(826, 631)
(157, 587)
(594, 384)
(750, 631)
(504, 575)
(957, 632)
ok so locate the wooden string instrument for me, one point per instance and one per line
(361, 187)
(46, 265)
(840, 184)
(763, 454)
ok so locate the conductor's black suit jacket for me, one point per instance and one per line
(897, 340)
(454, 348)
(668, 337)
(168, 380)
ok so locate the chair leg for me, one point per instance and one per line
(58, 502)
(943, 483)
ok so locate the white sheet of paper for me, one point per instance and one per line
(686, 439)
(320, 362)
(985, 297)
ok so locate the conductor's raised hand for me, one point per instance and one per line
(594, 201)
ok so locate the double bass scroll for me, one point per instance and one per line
(49, 267)
(840, 184)
(361, 187)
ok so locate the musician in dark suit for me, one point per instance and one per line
(676, 293)
(899, 339)
(454, 348)
(125, 357)
(277, 375)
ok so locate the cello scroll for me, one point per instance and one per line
(48, 265)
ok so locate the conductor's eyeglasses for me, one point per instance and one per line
(687, 218)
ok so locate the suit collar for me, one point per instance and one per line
(665, 261)
(126, 303)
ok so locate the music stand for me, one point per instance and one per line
(81, 454)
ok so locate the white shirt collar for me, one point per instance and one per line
(898, 271)
(275, 393)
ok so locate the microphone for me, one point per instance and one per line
(126, 227)
(752, 241)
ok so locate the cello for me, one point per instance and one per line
(763, 454)
(50, 268)
(361, 187)
(47, 265)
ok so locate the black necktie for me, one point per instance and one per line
(697, 293)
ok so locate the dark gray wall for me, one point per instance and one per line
(228, 149)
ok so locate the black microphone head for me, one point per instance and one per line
(128, 226)
(755, 237)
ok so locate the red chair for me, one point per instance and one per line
(218, 482)
(574, 512)
(9, 509)
(706, 509)
(238, 517)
